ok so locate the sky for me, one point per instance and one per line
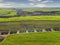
(29, 3)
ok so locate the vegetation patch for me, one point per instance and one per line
(25, 18)
(7, 12)
(46, 38)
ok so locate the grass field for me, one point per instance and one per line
(46, 38)
(22, 18)
(7, 12)
(30, 22)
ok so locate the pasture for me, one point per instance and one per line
(25, 18)
(46, 38)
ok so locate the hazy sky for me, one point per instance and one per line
(29, 3)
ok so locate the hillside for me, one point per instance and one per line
(30, 22)
(47, 38)
(26, 18)
(7, 12)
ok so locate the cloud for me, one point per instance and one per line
(6, 5)
(35, 0)
(31, 3)
(39, 3)
(1, 0)
(46, 1)
(36, 3)
(11, 5)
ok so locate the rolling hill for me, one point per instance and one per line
(46, 38)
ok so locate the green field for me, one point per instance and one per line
(7, 12)
(23, 23)
(46, 38)
(30, 22)
(25, 18)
